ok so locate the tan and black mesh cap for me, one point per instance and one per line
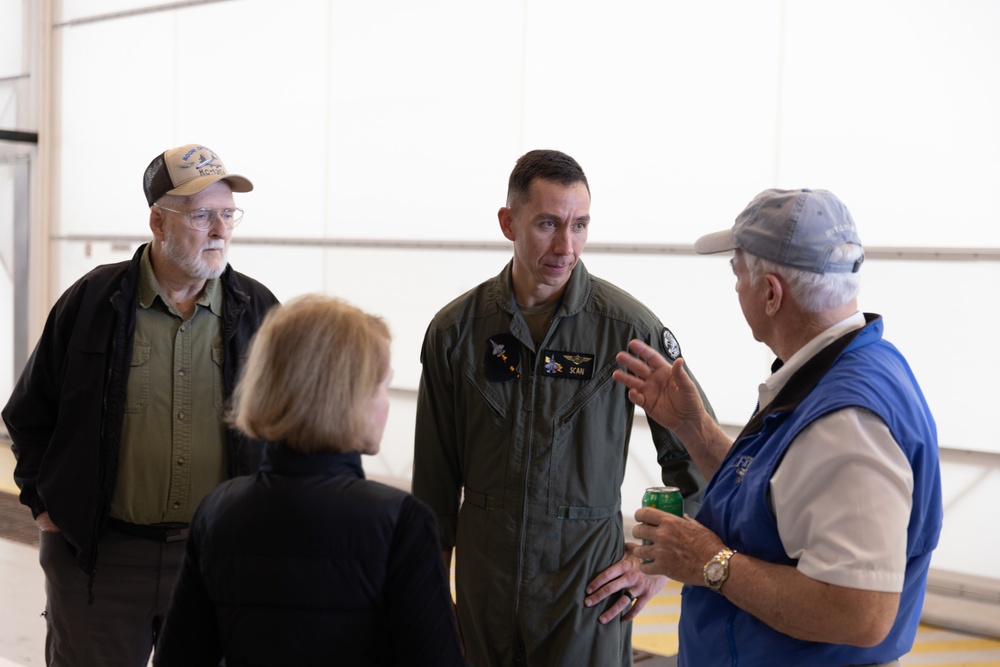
(187, 170)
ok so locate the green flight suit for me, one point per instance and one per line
(536, 439)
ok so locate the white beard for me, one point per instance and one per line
(194, 266)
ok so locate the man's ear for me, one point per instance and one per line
(156, 222)
(506, 222)
(775, 293)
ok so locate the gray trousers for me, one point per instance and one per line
(131, 591)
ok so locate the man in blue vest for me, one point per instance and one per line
(814, 539)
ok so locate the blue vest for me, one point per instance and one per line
(857, 370)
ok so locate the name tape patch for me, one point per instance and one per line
(570, 365)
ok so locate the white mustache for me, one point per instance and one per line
(216, 245)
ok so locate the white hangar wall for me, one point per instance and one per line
(379, 136)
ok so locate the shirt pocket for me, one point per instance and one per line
(137, 392)
(218, 395)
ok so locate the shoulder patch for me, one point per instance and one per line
(671, 348)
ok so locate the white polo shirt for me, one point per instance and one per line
(843, 493)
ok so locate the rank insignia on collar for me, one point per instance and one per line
(502, 358)
(671, 348)
(571, 365)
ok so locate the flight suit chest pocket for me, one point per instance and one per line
(487, 436)
(588, 449)
(490, 399)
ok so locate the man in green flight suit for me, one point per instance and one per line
(522, 435)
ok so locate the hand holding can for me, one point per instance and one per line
(665, 498)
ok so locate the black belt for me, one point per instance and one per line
(159, 532)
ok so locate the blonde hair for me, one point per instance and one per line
(312, 369)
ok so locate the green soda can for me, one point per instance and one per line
(666, 498)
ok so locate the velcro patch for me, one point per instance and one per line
(570, 365)
(671, 348)
(503, 356)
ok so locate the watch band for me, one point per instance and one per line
(716, 571)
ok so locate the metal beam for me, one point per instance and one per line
(18, 136)
(877, 252)
(22, 172)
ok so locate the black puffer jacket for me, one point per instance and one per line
(308, 563)
(65, 413)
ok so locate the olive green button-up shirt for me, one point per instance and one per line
(173, 447)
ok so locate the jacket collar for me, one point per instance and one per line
(282, 459)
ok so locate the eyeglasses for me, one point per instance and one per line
(203, 219)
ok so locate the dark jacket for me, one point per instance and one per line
(308, 563)
(65, 413)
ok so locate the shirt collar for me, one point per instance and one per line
(770, 387)
(149, 287)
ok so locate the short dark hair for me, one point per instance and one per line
(548, 165)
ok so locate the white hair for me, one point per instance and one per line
(813, 292)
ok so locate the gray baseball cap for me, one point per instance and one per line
(796, 228)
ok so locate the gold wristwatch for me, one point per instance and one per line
(716, 571)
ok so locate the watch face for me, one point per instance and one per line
(714, 572)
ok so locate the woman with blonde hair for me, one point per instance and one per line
(307, 562)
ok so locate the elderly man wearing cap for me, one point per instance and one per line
(814, 539)
(118, 418)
